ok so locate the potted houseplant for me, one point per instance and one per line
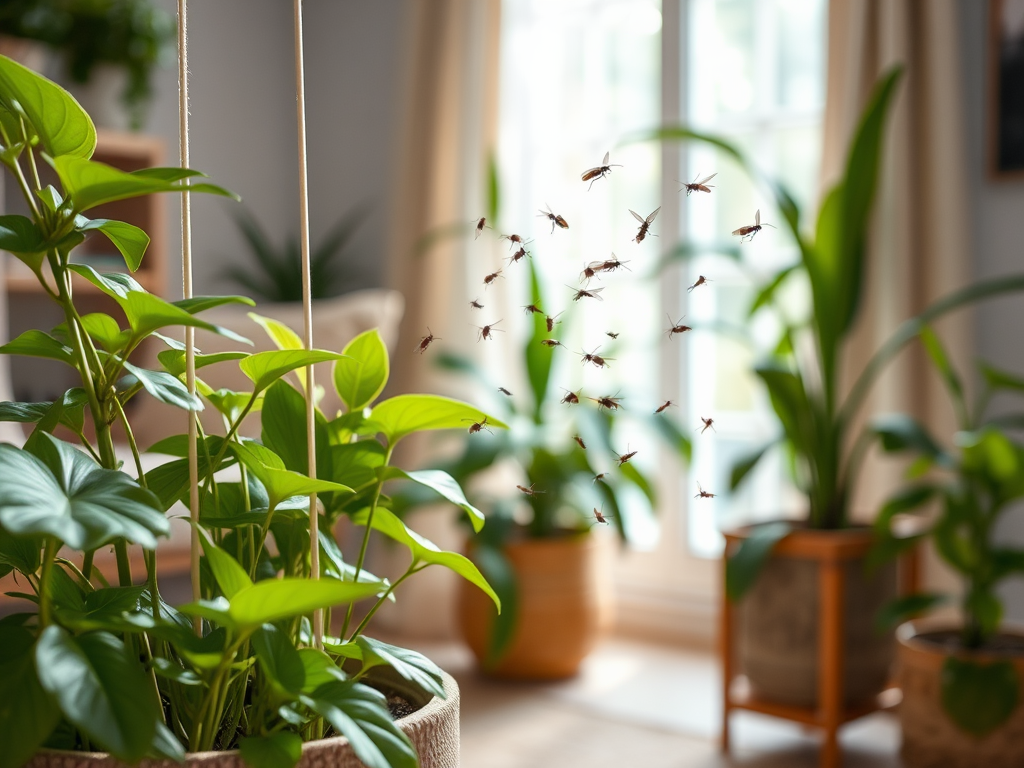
(110, 48)
(92, 667)
(961, 680)
(776, 594)
(537, 549)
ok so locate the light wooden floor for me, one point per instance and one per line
(635, 704)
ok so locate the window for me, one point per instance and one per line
(754, 74)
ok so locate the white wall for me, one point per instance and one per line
(997, 209)
(242, 94)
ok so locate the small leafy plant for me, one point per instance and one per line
(974, 484)
(275, 272)
(91, 666)
(801, 375)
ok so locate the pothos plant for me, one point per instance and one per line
(94, 666)
(964, 490)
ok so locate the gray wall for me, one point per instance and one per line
(242, 95)
(997, 209)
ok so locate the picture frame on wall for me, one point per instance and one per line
(1006, 89)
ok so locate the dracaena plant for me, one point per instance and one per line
(98, 667)
(959, 494)
(802, 373)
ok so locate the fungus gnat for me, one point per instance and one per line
(600, 171)
(747, 233)
(698, 186)
(555, 219)
(645, 224)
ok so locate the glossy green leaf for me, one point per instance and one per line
(743, 565)
(283, 336)
(64, 493)
(20, 236)
(117, 285)
(34, 343)
(275, 599)
(173, 360)
(412, 665)
(425, 551)
(444, 485)
(985, 609)
(131, 241)
(100, 688)
(899, 432)
(318, 668)
(276, 750)
(264, 368)
(281, 483)
(19, 553)
(196, 304)
(230, 575)
(537, 356)
(51, 197)
(279, 658)
(283, 422)
(940, 359)
(402, 415)
(90, 183)
(361, 375)
(165, 388)
(979, 697)
(103, 328)
(70, 413)
(102, 609)
(62, 125)
(360, 713)
(147, 313)
(27, 712)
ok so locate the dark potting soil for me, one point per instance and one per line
(399, 706)
(948, 640)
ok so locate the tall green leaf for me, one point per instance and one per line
(165, 388)
(131, 241)
(538, 356)
(27, 712)
(402, 415)
(444, 485)
(745, 563)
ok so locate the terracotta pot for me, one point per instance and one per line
(777, 621)
(433, 729)
(930, 738)
(562, 608)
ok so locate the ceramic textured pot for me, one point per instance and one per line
(778, 619)
(930, 738)
(562, 607)
(433, 729)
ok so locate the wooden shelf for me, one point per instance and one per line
(740, 697)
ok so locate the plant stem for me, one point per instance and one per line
(366, 538)
(366, 619)
(49, 554)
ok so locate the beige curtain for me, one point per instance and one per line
(919, 243)
(448, 130)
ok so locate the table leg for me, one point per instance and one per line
(725, 654)
(830, 649)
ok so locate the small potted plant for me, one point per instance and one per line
(961, 679)
(538, 550)
(92, 673)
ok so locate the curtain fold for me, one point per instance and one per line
(447, 133)
(918, 246)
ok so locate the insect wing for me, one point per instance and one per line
(757, 218)
(637, 216)
(650, 218)
(607, 157)
(706, 180)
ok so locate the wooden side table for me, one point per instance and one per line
(830, 552)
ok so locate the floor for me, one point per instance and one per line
(635, 704)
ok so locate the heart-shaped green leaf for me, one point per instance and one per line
(361, 377)
(443, 484)
(63, 493)
(360, 713)
(264, 368)
(165, 388)
(131, 241)
(100, 688)
(412, 665)
(62, 125)
(402, 415)
(35, 343)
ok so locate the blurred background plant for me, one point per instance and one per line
(277, 276)
(134, 35)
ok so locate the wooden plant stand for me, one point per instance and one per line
(830, 551)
